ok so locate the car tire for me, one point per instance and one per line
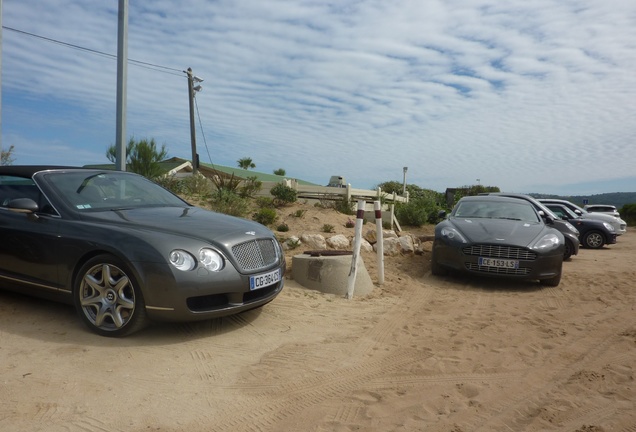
(436, 268)
(593, 240)
(108, 298)
(569, 248)
(553, 281)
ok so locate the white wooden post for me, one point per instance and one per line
(356, 249)
(380, 243)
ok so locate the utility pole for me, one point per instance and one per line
(0, 77)
(122, 77)
(193, 135)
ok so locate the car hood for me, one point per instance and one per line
(186, 221)
(502, 231)
(601, 217)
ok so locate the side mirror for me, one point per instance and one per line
(442, 214)
(23, 205)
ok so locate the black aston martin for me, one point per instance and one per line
(498, 236)
(124, 250)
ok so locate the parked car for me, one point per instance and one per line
(570, 233)
(602, 208)
(125, 251)
(594, 234)
(620, 226)
(498, 236)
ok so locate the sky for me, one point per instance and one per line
(528, 96)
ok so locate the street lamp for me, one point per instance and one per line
(405, 169)
(192, 90)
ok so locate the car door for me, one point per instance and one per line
(28, 249)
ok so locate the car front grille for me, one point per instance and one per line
(497, 270)
(496, 251)
(256, 254)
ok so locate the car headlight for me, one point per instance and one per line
(211, 259)
(548, 241)
(453, 234)
(572, 228)
(182, 260)
(609, 227)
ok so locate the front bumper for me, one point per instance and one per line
(544, 266)
(176, 296)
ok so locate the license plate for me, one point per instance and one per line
(264, 279)
(495, 262)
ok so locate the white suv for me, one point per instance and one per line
(602, 208)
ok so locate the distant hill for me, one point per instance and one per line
(618, 199)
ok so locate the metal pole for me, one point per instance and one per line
(0, 78)
(353, 271)
(193, 136)
(122, 77)
(377, 208)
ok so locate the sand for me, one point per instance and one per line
(420, 353)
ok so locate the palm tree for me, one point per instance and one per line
(246, 163)
(142, 157)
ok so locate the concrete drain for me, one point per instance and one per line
(328, 271)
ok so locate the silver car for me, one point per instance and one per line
(620, 226)
(126, 251)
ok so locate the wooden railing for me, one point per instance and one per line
(336, 193)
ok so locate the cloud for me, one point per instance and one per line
(518, 94)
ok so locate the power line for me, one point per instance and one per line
(202, 132)
(153, 66)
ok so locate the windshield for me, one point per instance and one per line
(109, 190)
(563, 211)
(521, 210)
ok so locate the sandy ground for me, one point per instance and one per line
(420, 353)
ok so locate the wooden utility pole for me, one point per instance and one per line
(193, 134)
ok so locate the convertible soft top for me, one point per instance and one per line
(29, 170)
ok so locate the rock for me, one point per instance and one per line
(406, 243)
(313, 241)
(370, 235)
(365, 246)
(338, 241)
(394, 246)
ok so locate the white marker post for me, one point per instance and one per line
(356, 249)
(379, 240)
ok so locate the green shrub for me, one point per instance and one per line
(628, 214)
(196, 185)
(327, 228)
(284, 194)
(250, 187)
(345, 206)
(299, 213)
(264, 202)
(282, 227)
(224, 201)
(293, 244)
(417, 212)
(172, 183)
(226, 183)
(265, 216)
